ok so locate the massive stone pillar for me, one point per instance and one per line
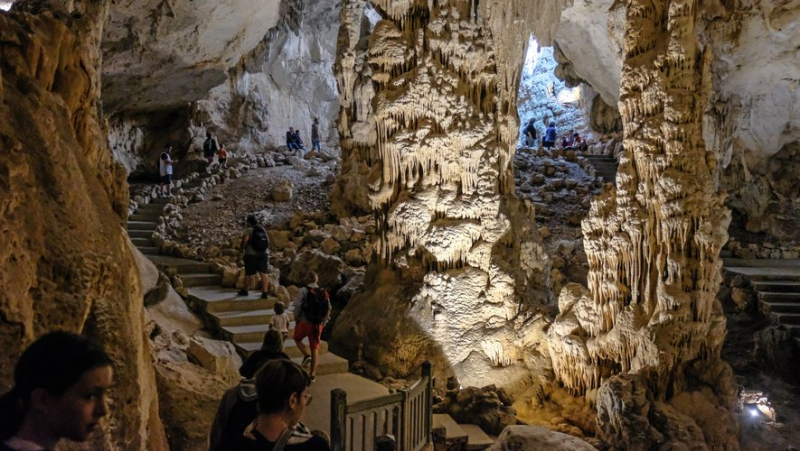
(649, 329)
(66, 261)
(428, 130)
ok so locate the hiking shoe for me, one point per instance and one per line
(306, 360)
(242, 293)
(264, 295)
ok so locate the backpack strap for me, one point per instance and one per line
(283, 440)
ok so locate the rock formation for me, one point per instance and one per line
(65, 257)
(428, 112)
(649, 329)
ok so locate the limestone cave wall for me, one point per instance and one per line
(65, 256)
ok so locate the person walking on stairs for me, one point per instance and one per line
(255, 243)
(282, 392)
(312, 308)
(165, 163)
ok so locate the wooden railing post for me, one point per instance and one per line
(338, 419)
(427, 371)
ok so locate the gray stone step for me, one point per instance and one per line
(779, 307)
(149, 250)
(142, 225)
(221, 299)
(249, 333)
(200, 279)
(151, 207)
(181, 265)
(786, 318)
(140, 234)
(454, 433)
(289, 348)
(476, 438)
(243, 317)
(145, 217)
(793, 329)
(779, 297)
(142, 242)
(777, 286)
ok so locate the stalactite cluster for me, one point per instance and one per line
(652, 244)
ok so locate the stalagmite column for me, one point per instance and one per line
(429, 119)
(652, 244)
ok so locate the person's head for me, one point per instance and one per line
(208, 135)
(316, 121)
(279, 308)
(273, 341)
(60, 384)
(291, 129)
(282, 387)
(251, 220)
(552, 124)
(168, 148)
(312, 277)
(575, 135)
(530, 121)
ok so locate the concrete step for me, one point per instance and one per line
(181, 265)
(142, 225)
(328, 363)
(244, 317)
(149, 250)
(786, 318)
(453, 433)
(249, 333)
(221, 299)
(140, 234)
(477, 439)
(150, 207)
(145, 217)
(777, 286)
(779, 297)
(142, 242)
(200, 279)
(290, 348)
(779, 307)
(793, 329)
(725, 253)
(318, 413)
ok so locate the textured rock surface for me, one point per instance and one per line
(429, 105)
(516, 438)
(66, 261)
(652, 247)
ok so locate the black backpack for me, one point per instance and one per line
(209, 147)
(315, 305)
(259, 240)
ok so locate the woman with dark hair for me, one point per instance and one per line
(60, 385)
(282, 391)
(271, 348)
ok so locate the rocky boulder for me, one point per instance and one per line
(519, 438)
(329, 269)
(219, 357)
(488, 407)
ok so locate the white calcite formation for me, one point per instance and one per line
(428, 110)
(653, 244)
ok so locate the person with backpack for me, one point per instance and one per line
(255, 243)
(312, 308)
(210, 149)
(165, 163)
(530, 133)
(282, 395)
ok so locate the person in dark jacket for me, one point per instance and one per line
(290, 140)
(550, 134)
(530, 134)
(271, 348)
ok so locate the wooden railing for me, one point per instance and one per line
(406, 415)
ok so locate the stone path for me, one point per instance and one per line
(777, 287)
(605, 166)
(461, 436)
(243, 320)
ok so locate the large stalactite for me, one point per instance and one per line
(428, 129)
(649, 322)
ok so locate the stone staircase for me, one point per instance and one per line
(776, 284)
(460, 436)
(143, 223)
(605, 166)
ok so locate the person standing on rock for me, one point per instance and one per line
(255, 243)
(312, 308)
(299, 141)
(210, 149)
(315, 143)
(550, 135)
(530, 134)
(60, 386)
(165, 163)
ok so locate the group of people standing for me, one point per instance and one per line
(570, 141)
(294, 142)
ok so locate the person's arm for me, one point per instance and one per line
(245, 239)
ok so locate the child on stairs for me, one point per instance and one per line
(280, 320)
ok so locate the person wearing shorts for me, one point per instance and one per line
(254, 261)
(165, 163)
(304, 329)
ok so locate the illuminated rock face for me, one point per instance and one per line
(429, 120)
(652, 244)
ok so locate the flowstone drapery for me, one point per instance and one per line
(428, 129)
(652, 244)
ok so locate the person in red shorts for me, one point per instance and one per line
(312, 308)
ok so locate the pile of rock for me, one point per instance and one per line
(763, 250)
(488, 407)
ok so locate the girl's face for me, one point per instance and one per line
(76, 413)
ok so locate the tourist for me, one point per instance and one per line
(271, 348)
(315, 143)
(299, 142)
(282, 393)
(579, 143)
(165, 163)
(280, 320)
(530, 134)
(210, 148)
(567, 140)
(255, 243)
(237, 409)
(222, 156)
(60, 385)
(312, 308)
(290, 140)
(550, 134)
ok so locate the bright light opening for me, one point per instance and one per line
(5, 6)
(753, 412)
(569, 95)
